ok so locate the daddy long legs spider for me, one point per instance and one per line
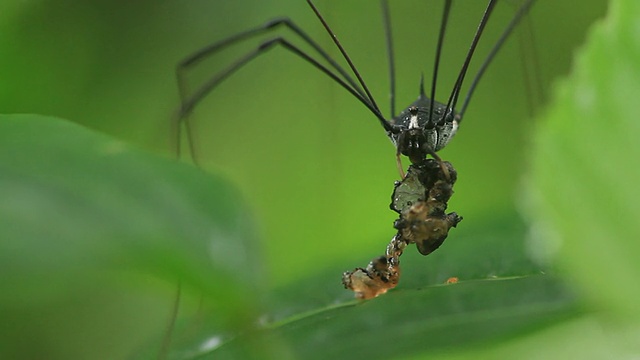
(423, 128)
(417, 131)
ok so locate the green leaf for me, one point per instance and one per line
(95, 237)
(585, 167)
(409, 321)
(499, 294)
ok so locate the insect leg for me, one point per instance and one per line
(392, 66)
(189, 103)
(166, 340)
(192, 60)
(385, 124)
(530, 65)
(443, 27)
(453, 99)
(505, 34)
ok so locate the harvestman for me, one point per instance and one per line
(423, 128)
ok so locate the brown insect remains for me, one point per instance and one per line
(421, 200)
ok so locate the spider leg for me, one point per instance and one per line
(385, 124)
(453, 98)
(209, 50)
(386, 17)
(522, 11)
(189, 103)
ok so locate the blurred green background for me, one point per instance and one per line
(312, 163)
(311, 160)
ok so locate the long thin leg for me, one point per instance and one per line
(348, 59)
(512, 24)
(166, 340)
(189, 104)
(209, 50)
(195, 58)
(434, 80)
(390, 56)
(453, 99)
(531, 71)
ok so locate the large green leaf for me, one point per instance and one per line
(585, 171)
(584, 183)
(410, 321)
(500, 293)
(96, 236)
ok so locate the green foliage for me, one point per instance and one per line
(585, 172)
(97, 237)
(585, 178)
(96, 234)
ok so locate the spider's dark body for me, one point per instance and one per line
(421, 131)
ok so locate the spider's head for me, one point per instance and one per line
(420, 132)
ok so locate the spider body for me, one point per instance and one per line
(418, 133)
